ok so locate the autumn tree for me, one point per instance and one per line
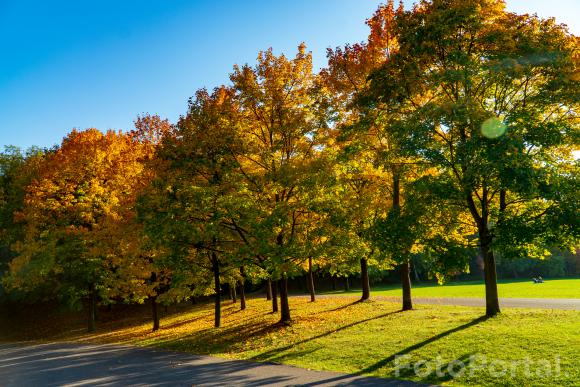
(79, 191)
(278, 130)
(189, 207)
(372, 162)
(17, 170)
(491, 101)
(149, 132)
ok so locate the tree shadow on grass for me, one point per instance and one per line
(274, 353)
(228, 338)
(350, 304)
(442, 373)
(232, 338)
(393, 357)
(436, 373)
(432, 374)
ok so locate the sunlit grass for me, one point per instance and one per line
(337, 334)
(551, 288)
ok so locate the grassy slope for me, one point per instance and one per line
(337, 334)
(556, 288)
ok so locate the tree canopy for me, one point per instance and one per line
(451, 129)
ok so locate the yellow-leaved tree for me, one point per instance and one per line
(75, 209)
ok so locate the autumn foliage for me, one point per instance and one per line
(381, 158)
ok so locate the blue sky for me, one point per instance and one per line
(66, 64)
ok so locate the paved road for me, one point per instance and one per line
(536, 303)
(68, 364)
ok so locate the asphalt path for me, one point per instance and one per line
(534, 303)
(72, 364)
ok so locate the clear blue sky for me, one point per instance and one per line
(82, 63)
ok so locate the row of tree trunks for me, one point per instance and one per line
(280, 287)
(310, 282)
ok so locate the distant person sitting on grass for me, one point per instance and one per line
(538, 280)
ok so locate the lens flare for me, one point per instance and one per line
(493, 128)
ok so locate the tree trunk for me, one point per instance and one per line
(242, 296)
(406, 285)
(485, 240)
(155, 313)
(364, 276)
(92, 307)
(346, 284)
(233, 293)
(97, 311)
(490, 275)
(414, 267)
(153, 300)
(268, 289)
(242, 289)
(311, 281)
(193, 300)
(405, 266)
(333, 281)
(275, 297)
(217, 290)
(284, 306)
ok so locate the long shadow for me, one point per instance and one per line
(226, 337)
(275, 351)
(67, 364)
(178, 324)
(432, 377)
(368, 381)
(414, 347)
(443, 372)
(342, 307)
(64, 364)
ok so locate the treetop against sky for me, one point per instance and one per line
(66, 65)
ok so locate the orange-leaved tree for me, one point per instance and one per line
(83, 189)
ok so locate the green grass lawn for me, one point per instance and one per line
(551, 288)
(336, 333)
